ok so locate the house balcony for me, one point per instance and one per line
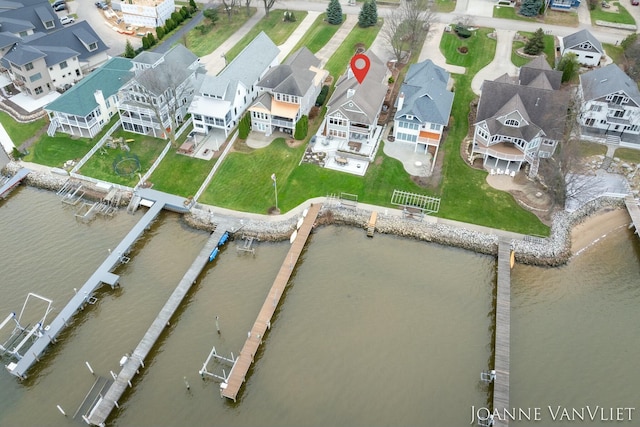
(618, 120)
(79, 122)
(283, 123)
(501, 151)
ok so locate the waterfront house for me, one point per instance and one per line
(423, 108)
(610, 106)
(221, 100)
(288, 91)
(520, 120)
(157, 97)
(84, 109)
(584, 45)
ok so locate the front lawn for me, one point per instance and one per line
(203, 44)
(616, 53)
(337, 64)
(604, 14)
(273, 25)
(318, 35)
(101, 164)
(549, 50)
(54, 151)
(508, 12)
(481, 49)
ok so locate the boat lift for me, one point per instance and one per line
(22, 334)
(214, 355)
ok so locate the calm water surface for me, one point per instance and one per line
(380, 331)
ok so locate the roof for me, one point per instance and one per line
(426, 95)
(543, 108)
(360, 102)
(109, 78)
(178, 64)
(295, 76)
(572, 41)
(532, 71)
(254, 59)
(23, 54)
(27, 15)
(607, 80)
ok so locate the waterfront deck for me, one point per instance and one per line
(13, 181)
(503, 332)
(238, 373)
(104, 406)
(634, 212)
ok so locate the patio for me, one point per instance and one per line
(205, 145)
(414, 163)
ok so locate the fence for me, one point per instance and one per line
(95, 148)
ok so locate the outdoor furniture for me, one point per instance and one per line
(493, 172)
(513, 174)
(342, 161)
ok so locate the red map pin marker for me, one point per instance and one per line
(360, 66)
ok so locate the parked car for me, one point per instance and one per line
(101, 5)
(65, 20)
(57, 3)
(635, 2)
(60, 7)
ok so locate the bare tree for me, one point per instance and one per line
(247, 4)
(406, 27)
(164, 91)
(268, 4)
(229, 5)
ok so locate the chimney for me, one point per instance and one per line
(99, 97)
(400, 101)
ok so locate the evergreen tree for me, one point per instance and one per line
(569, 66)
(193, 5)
(530, 7)
(363, 19)
(302, 128)
(244, 127)
(535, 45)
(129, 52)
(334, 13)
(373, 13)
(160, 32)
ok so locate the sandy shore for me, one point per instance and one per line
(597, 226)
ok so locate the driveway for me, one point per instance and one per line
(501, 61)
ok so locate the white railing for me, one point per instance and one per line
(95, 148)
(276, 122)
(503, 156)
(154, 165)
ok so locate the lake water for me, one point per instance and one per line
(382, 331)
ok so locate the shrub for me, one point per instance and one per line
(244, 127)
(302, 128)
(391, 80)
(160, 32)
(322, 96)
(289, 17)
(462, 31)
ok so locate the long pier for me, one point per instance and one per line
(104, 406)
(634, 211)
(13, 181)
(100, 276)
(503, 332)
(237, 376)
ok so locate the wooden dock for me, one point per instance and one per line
(634, 211)
(99, 414)
(503, 332)
(243, 362)
(13, 182)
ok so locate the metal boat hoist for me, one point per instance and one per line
(22, 334)
(214, 355)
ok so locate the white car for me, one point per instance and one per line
(65, 20)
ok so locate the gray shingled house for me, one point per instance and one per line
(584, 45)
(423, 108)
(610, 106)
(521, 120)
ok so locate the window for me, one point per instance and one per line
(406, 137)
(595, 107)
(93, 46)
(63, 65)
(338, 133)
(435, 126)
(23, 33)
(337, 122)
(618, 113)
(38, 90)
(28, 66)
(482, 133)
(589, 122)
(617, 99)
(409, 117)
(49, 24)
(512, 122)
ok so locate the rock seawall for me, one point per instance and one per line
(552, 251)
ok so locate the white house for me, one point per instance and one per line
(288, 92)
(584, 45)
(611, 106)
(521, 120)
(423, 107)
(149, 104)
(221, 100)
(146, 13)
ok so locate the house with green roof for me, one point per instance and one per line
(84, 109)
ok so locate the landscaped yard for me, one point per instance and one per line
(337, 64)
(180, 174)
(549, 50)
(55, 151)
(145, 148)
(622, 16)
(508, 12)
(481, 49)
(318, 35)
(20, 132)
(616, 53)
(203, 44)
(273, 25)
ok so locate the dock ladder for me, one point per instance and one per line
(371, 227)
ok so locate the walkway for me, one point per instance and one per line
(13, 181)
(503, 332)
(431, 50)
(103, 408)
(238, 374)
(634, 212)
(294, 38)
(501, 61)
(334, 43)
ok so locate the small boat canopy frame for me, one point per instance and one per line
(19, 329)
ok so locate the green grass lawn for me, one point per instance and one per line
(203, 44)
(621, 17)
(616, 53)
(180, 174)
(100, 165)
(481, 49)
(273, 26)
(318, 35)
(337, 64)
(55, 151)
(630, 155)
(20, 132)
(549, 50)
(444, 6)
(508, 12)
